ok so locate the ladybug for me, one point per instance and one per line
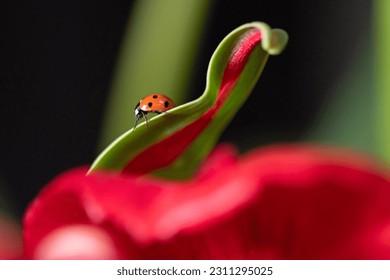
(153, 103)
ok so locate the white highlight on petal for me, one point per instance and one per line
(76, 242)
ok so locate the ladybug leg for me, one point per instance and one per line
(146, 120)
(136, 121)
(137, 117)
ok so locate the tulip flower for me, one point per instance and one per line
(160, 194)
(282, 202)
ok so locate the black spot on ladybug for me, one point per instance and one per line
(150, 104)
(166, 104)
(155, 96)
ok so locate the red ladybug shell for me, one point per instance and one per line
(156, 103)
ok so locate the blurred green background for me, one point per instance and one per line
(72, 72)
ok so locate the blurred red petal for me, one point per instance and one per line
(289, 202)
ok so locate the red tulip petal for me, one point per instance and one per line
(286, 202)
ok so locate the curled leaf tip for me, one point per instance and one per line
(278, 41)
(273, 41)
(184, 139)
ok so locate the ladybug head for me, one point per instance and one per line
(138, 113)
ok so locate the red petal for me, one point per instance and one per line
(286, 202)
(321, 200)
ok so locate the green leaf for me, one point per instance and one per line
(174, 144)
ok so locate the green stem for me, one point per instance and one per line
(382, 51)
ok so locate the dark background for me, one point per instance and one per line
(57, 60)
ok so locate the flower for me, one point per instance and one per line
(174, 150)
(281, 202)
